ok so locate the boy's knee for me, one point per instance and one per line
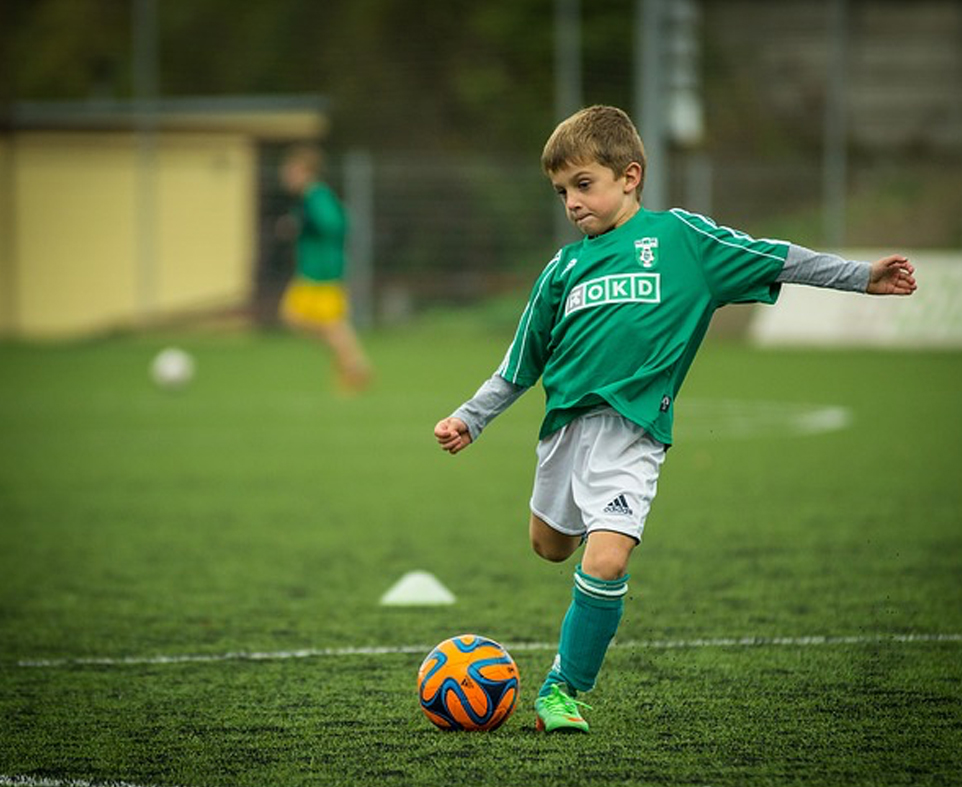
(554, 553)
(606, 555)
(549, 544)
(607, 567)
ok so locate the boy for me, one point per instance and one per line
(611, 328)
(315, 302)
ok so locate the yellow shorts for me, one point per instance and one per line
(319, 303)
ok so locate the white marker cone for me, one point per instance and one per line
(417, 588)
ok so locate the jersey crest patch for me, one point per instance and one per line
(647, 249)
(618, 288)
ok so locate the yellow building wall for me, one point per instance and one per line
(7, 301)
(206, 219)
(74, 243)
(109, 233)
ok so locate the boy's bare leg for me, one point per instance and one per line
(606, 554)
(351, 363)
(549, 543)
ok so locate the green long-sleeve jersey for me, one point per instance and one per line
(617, 319)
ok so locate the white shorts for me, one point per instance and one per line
(599, 472)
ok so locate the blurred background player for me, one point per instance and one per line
(611, 328)
(316, 300)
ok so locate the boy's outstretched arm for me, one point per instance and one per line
(462, 427)
(893, 275)
(452, 434)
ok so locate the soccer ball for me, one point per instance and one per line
(468, 683)
(172, 368)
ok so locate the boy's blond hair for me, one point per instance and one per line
(599, 134)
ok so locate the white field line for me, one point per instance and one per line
(388, 650)
(30, 781)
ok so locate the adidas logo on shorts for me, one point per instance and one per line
(619, 506)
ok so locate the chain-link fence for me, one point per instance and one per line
(436, 129)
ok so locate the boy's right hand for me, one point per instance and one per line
(452, 435)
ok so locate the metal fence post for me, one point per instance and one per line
(359, 201)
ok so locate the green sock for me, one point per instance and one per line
(587, 628)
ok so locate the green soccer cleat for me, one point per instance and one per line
(557, 712)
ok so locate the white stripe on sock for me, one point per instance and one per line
(591, 589)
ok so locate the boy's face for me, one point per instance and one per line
(296, 176)
(595, 199)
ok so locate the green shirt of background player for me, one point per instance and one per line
(611, 328)
(320, 243)
(316, 300)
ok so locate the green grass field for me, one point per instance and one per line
(795, 613)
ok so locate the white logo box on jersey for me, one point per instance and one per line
(618, 288)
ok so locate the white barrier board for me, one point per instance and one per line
(814, 317)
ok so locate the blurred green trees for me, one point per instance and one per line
(460, 77)
(438, 73)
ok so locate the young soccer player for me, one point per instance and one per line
(611, 328)
(316, 301)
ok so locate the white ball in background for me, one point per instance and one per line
(172, 368)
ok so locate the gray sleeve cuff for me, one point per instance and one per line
(493, 397)
(804, 266)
